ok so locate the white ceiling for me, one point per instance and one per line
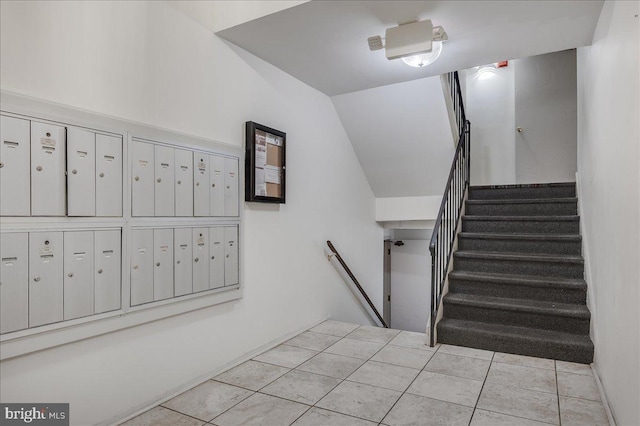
(324, 43)
(401, 136)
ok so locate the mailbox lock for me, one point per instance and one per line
(213, 185)
(227, 255)
(213, 257)
(1, 164)
(74, 171)
(228, 187)
(39, 168)
(137, 178)
(99, 271)
(159, 180)
(197, 183)
(46, 243)
(196, 259)
(48, 134)
(178, 262)
(158, 264)
(36, 279)
(101, 174)
(135, 266)
(70, 274)
(179, 182)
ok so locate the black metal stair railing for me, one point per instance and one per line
(446, 224)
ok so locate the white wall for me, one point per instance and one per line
(149, 63)
(407, 208)
(609, 181)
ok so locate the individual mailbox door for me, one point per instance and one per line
(81, 172)
(78, 274)
(45, 278)
(164, 184)
(48, 180)
(182, 262)
(108, 175)
(200, 184)
(200, 257)
(108, 259)
(15, 179)
(163, 264)
(141, 266)
(14, 282)
(216, 257)
(142, 173)
(231, 255)
(231, 187)
(216, 179)
(184, 182)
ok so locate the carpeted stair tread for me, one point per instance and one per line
(555, 218)
(517, 340)
(528, 280)
(568, 200)
(529, 237)
(520, 305)
(527, 257)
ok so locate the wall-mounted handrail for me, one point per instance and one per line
(446, 224)
(334, 257)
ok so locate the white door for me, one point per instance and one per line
(14, 282)
(216, 257)
(15, 179)
(231, 187)
(231, 255)
(184, 182)
(201, 191)
(546, 114)
(216, 184)
(108, 175)
(45, 278)
(141, 266)
(48, 180)
(200, 259)
(163, 264)
(81, 172)
(182, 261)
(164, 181)
(410, 285)
(142, 173)
(107, 271)
(78, 274)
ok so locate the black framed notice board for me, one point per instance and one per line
(264, 164)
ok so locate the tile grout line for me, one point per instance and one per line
(475, 407)
(555, 370)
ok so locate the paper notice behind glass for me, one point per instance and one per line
(261, 187)
(261, 150)
(272, 174)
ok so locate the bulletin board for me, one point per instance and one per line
(265, 167)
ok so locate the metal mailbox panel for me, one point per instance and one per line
(231, 255)
(48, 180)
(231, 187)
(45, 278)
(142, 184)
(164, 181)
(200, 257)
(15, 179)
(108, 258)
(14, 282)
(216, 257)
(141, 266)
(78, 274)
(201, 191)
(108, 175)
(216, 179)
(163, 264)
(184, 183)
(182, 262)
(81, 172)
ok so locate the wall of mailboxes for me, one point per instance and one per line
(50, 169)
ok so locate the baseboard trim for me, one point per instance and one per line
(199, 380)
(603, 397)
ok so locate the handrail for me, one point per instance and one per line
(370, 307)
(446, 224)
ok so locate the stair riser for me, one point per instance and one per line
(535, 209)
(520, 246)
(520, 227)
(519, 319)
(506, 344)
(522, 193)
(520, 267)
(514, 291)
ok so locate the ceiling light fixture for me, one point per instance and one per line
(418, 44)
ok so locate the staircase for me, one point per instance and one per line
(517, 282)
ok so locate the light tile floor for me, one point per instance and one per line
(344, 374)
